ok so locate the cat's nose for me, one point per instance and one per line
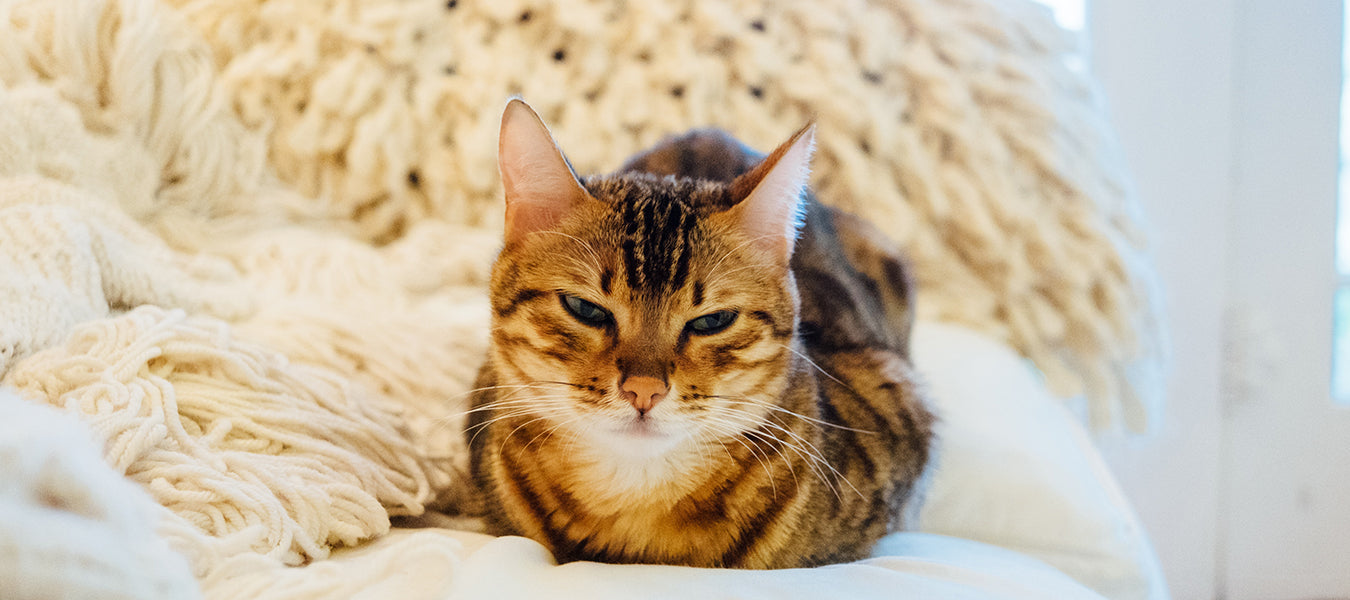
(644, 392)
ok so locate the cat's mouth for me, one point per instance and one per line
(642, 427)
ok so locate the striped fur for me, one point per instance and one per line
(795, 437)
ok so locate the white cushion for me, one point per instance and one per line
(1016, 469)
(438, 564)
(927, 566)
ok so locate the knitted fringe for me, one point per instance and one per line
(229, 436)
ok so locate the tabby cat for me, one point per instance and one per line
(692, 361)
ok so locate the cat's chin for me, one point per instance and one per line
(637, 456)
(640, 438)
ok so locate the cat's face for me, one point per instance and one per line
(641, 315)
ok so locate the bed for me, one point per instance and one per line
(1020, 506)
(243, 253)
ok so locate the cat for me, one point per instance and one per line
(692, 361)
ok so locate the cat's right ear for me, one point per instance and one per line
(540, 186)
(769, 206)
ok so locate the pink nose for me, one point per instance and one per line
(644, 392)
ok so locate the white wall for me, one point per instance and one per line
(1166, 68)
(1286, 459)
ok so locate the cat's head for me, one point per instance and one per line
(635, 307)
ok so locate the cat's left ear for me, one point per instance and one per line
(769, 200)
(541, 188)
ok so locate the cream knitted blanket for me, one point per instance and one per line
(246, 243)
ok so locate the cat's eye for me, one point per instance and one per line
(712, 323)
(585, 311)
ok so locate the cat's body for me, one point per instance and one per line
(674, 379)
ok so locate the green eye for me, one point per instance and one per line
(585, 311)
(712, 323)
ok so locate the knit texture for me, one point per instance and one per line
(229, 436)
(247, 242)
(957, 126)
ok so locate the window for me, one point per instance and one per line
(1340, 374)
(1070, 14)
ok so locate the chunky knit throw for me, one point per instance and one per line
(958, 126)
(246, 242)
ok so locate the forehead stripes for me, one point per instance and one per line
(656, 223)
(656, 243)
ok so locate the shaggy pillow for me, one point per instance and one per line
(959, 128)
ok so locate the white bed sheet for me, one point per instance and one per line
(909, 565)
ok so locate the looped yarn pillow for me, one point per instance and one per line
(958, 127)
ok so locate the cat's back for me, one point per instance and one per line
(707, 153)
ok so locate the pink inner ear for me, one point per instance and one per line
(540, 188)
(771, 211)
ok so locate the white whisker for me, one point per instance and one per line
(817, 367)
(752, 402)
(764, 461)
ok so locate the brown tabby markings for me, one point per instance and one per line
(794, 437)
